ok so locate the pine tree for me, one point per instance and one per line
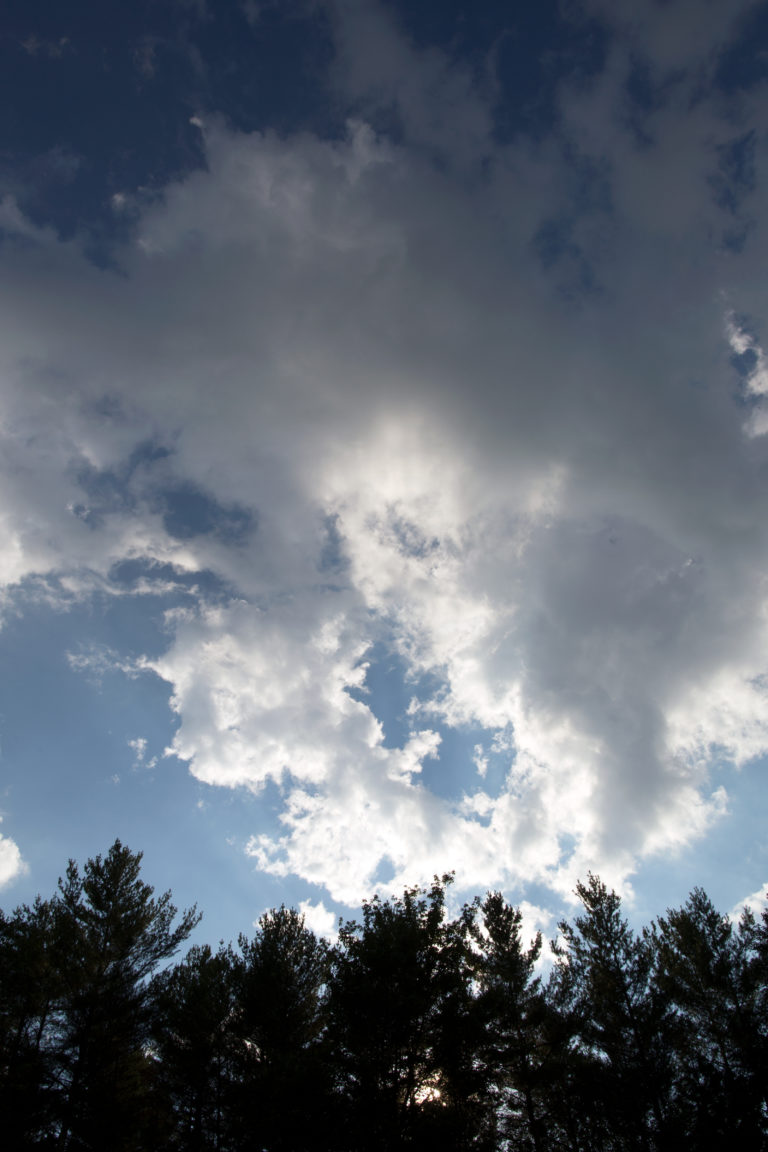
(510, 1005)
(402, 1025)
(194, 1045)
(618, 1077)
(282, 1091)
(710, 969)
(113, 934)
(30, 994)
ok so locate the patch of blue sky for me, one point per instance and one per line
(187, 510)
(108, 490)
(389, 690)
(532, 55)
(492, 760)
(190, 512)
(89, 99)
(109, 94)
(333, 562)
(454, 772)
(257, 58)
(528, 49)
(130, 574)
(66, 746)
(730, 863)
(382, 881)
(83, 762)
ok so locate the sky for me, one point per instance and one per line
(384, 449)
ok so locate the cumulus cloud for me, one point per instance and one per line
(755, 903)
(11, 863)
(486, 417)
(319, 919)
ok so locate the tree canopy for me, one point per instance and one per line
(415, 1029)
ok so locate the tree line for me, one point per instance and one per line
(414, 1030)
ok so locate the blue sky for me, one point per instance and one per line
(385, 449)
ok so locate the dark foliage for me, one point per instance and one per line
(414, 1031)
(77, 1011)
(402, 1027)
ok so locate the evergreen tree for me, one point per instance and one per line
(113, 934)
(510, 1004)
(414, 1031)
(711, 971)
(401, 1024)
(619, 1078)
(195, 1008)
(282, 1093)
(30, 993)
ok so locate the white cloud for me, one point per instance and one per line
(756, 904)
(742, 342)
(319, 919)
(11, 863)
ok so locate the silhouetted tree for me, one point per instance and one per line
(711, 971)
(30, 994)
(400, 1019)
(193, 1045)
(113, 934)
(414, 1031)
(619, 1077)
(514, 1051)
(282, 1087)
